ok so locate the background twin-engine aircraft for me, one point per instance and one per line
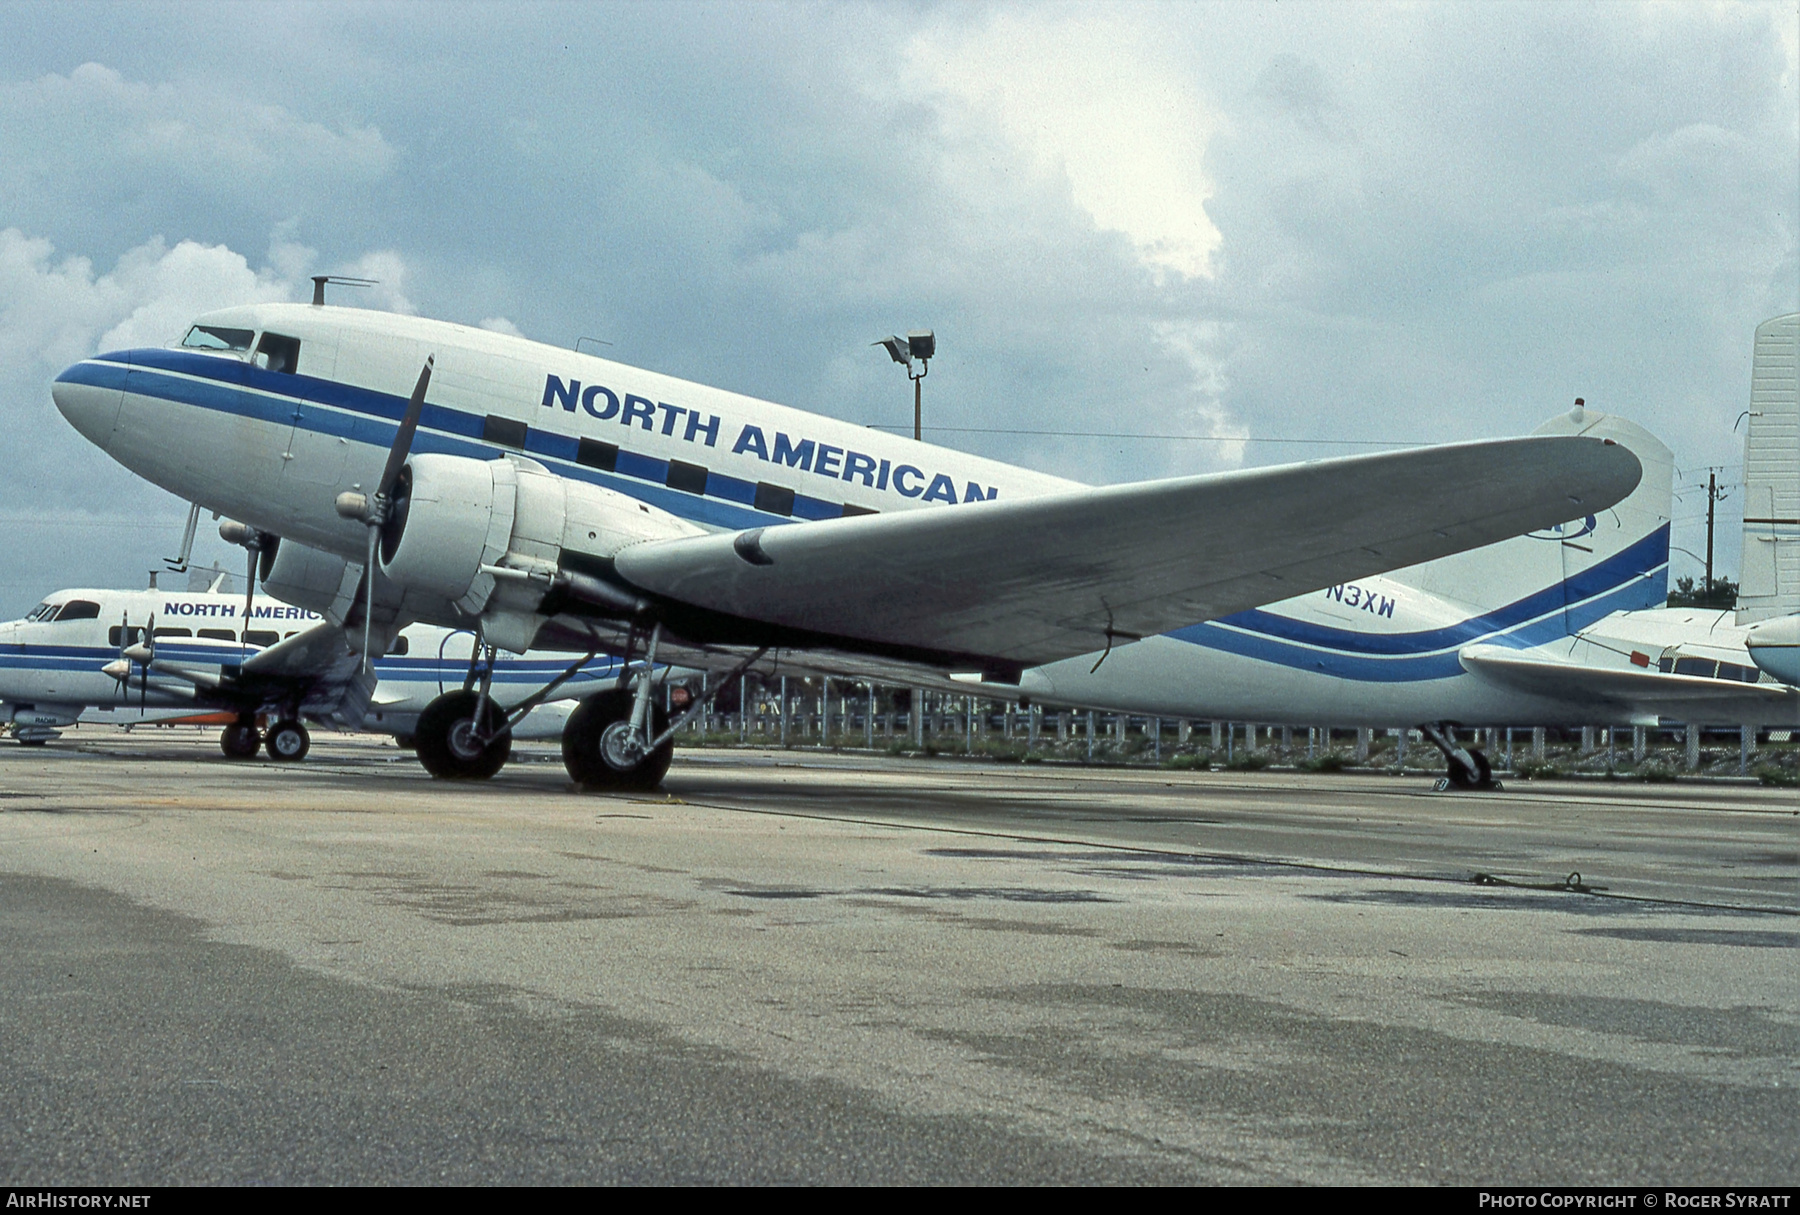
(553, 501)
(130, 657)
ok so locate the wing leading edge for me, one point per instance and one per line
(1036, 580)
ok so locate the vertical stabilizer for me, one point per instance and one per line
(1597, 563)
(1769, 584)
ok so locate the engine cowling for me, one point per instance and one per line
(307, 578)
(453, 516)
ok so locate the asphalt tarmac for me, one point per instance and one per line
(803, 967)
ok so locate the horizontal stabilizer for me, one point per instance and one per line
(1607, 686)
(1035, 580)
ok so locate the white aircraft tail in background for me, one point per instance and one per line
(1770, 580)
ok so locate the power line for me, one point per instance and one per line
(1107, 434)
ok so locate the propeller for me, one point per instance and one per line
(374, 510)
(120, 667)
(256, 544)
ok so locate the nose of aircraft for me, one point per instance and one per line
(89, 393)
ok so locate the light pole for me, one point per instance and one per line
(920, 345)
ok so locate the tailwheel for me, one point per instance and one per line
(450, 746)
(1460, 777)
(288, 740)
(600, 752)
(240, 740)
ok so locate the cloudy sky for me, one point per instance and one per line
(1277, 231)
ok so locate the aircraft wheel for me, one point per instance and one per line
(446, 742)
(594, 749)
(406, 742)
(240, 740)
(1459, 779)
(288, 740)
(33, 742)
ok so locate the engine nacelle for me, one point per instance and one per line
(453, 516)
(307, 578)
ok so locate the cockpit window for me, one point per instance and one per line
(78, 609)
(218, 337)
(278, 353)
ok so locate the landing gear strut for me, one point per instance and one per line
(1466, 769)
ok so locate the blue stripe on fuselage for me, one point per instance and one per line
(362, 415)
(1432, 654)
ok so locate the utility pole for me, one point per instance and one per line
(1712, 499)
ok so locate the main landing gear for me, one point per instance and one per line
(463, 736)
(287, 740)
(616, 739)
(603, 749)
(1465, 769)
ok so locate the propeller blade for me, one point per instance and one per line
(144, 679)
(369, 584)
(404, 436)
(249, 589)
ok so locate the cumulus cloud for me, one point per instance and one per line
(1093, 98)
(85, 519)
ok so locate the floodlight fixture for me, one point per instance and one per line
(897, 349)
(920, 344)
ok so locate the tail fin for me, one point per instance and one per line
(1600, 563)
(1770, 583)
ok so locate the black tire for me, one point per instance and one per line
(406, 742)
(441, 739)
(586, 759)
(33, 742)
(240, 740)
(1459, 779)
(288, 741)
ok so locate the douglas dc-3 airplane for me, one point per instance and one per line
(128, 657)
(556, 501)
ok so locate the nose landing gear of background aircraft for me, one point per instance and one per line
(241, 739)
(1466, 769)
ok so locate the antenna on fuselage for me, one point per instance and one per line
(319, 281)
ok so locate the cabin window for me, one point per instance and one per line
(595, 454)
(1743, 674)
(689, 478)
(79, 609)
(173, 631)
(218, 634)
(261, 636)
(851, 509)
(277, 353)
(1706, 668)
(508, 432)
(218, 337)
(124, 636)
(400, 647)
(774, 499)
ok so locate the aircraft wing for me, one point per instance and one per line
(1020, 583)
(1609, 686)
(325, 664)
